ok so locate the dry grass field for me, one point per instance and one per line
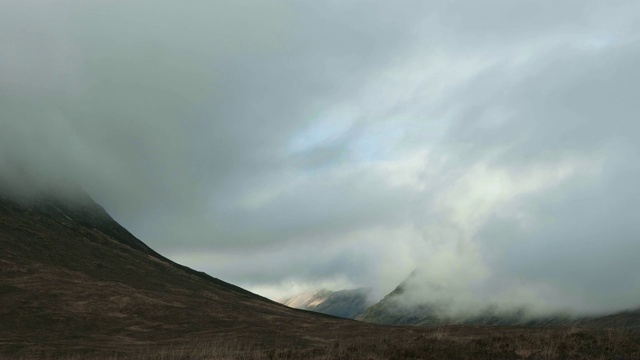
(448, 342)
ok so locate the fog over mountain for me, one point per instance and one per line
(281, 146)
(344, 303)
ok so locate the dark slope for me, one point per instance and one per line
(71, 277)
(83, 212)
(629, 319)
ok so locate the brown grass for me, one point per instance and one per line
(446, 342)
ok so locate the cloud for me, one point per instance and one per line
(490, 145)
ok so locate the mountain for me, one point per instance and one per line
(628, 319)
(76, 284)
(393, 310)
(72, 278)
(343, 303)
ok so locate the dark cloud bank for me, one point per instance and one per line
(491, 145)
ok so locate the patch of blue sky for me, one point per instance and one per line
(379, 142)
(598, 42)
(325, 130)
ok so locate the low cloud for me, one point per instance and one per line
(490, 146)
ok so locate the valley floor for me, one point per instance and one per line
(447, 342)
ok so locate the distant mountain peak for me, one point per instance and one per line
(395, 309)
(344, 303)
(308, 299)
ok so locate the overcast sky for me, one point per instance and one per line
(283, 145)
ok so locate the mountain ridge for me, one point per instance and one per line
(391, 310)
(83, 211)
(343, 303)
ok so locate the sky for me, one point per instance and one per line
(490, 146)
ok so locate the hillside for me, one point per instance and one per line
(76, 284)
(344, 303)
(72, 277)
